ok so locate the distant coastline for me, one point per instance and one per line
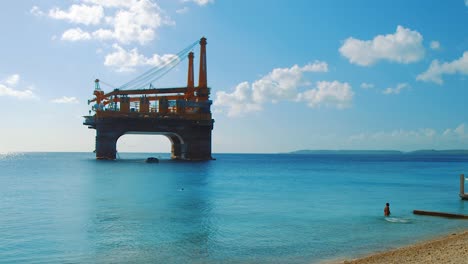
(382, 152)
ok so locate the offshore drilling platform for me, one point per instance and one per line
(181, 114)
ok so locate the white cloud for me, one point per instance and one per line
(238, 102)
(317, 66)
(123, 60)
(12, 80)
(183, 10)
(200, 2)
(459, 131)
(75, 34)
(436, 69)
(138, 22)
(335, 94)
(65, 100)
(282, 84)
(367, 85)
(6, 88)
(435, 45)
(35, 10)
(80, 14)
(397, 89)
(404, 46)
(24, 94)
(103, 34)
(422, 138)
(112, 3)
(128, 21)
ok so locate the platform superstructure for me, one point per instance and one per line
(183, 114)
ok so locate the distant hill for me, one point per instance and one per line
(382, 152)
(348, 152)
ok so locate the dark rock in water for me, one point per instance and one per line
(152, 160)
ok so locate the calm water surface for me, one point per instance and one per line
(70, 208)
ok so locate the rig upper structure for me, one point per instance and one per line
(182, 114)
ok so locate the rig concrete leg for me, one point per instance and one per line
(106, 145)
(176, 147)
(176, 151)
(198, 147)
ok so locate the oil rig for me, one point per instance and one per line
(182, 114)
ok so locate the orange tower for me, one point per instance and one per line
(202, 90)
(190, 81)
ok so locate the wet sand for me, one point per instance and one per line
(452, 248)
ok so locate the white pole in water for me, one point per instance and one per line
(462, 184)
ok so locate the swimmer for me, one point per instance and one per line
(387, 209)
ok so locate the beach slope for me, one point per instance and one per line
(449, 249)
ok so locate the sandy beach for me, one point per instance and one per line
(452, 248)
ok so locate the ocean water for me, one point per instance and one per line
(70, 208)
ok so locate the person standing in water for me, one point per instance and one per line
(386, 210)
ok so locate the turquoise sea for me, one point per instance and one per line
(240, 208)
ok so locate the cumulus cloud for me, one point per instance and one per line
(435, 45)
(65, 100)
(80, 14)
(283, 84)
(12, 79)
(128, 21)
(200, 2)
(437, 69)
(413, 139)
(404, 46)
(35, 10)
(127, 60)
(111, 3)
(397, 89)
(8, 88)
(335, 94)
(75, 34)
(238, 102)
(367, 85)
(138, 22)
(459, 131)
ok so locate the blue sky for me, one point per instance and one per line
(285, 75)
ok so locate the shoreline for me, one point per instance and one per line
(450, 248)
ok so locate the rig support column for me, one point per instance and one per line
(106, 144)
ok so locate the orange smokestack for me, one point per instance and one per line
(202, 82)
(190, 82)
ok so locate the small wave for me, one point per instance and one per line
(397, 220)
(10, 155)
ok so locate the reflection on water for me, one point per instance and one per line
(151, 214)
